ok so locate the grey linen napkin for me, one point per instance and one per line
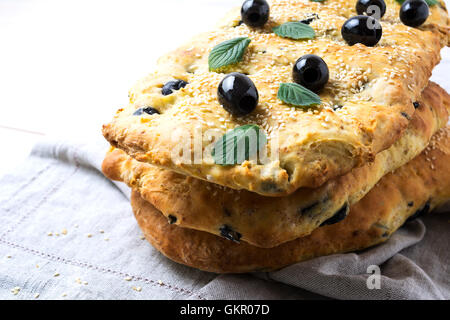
(66, 232)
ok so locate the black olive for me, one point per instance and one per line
(172, 219)
(310, 19)
(237, 94)
(422, 211)
(147, 110)
(173, 85)
(311, 72)
(255, 13)
(406, 115)
(413, 13)
(309, 208)
(228, 233)
(411, 204)
(368, 7)
(338, 216)
(362, 29)
(416, 105)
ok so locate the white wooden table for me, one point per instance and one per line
(67, 65)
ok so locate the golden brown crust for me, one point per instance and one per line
(425, 181)
(376, 87)
(266, 221)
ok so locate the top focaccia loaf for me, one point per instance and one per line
(366, 104)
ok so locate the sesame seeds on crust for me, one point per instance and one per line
(265, 221)
(363, 105)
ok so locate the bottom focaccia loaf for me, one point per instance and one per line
(414, 189)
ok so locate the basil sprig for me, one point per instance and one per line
(239, 145)
(297, 95)
(295, 30)
(228, 53)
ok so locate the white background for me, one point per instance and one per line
(66, 65)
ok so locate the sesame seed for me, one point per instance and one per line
(15, 290)
(349, 69)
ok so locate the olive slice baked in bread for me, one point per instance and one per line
(267, 221)
(415, 188)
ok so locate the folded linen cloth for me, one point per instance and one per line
(66, 232)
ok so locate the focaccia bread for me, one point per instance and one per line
(409, 192)
(366, 104)
(267, 221)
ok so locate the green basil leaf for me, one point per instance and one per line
(297, 95)
(295, 30)
(430, 3)
(317, 0)
(227, 53)
(238, 145)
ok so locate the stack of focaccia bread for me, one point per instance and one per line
(295, 129)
